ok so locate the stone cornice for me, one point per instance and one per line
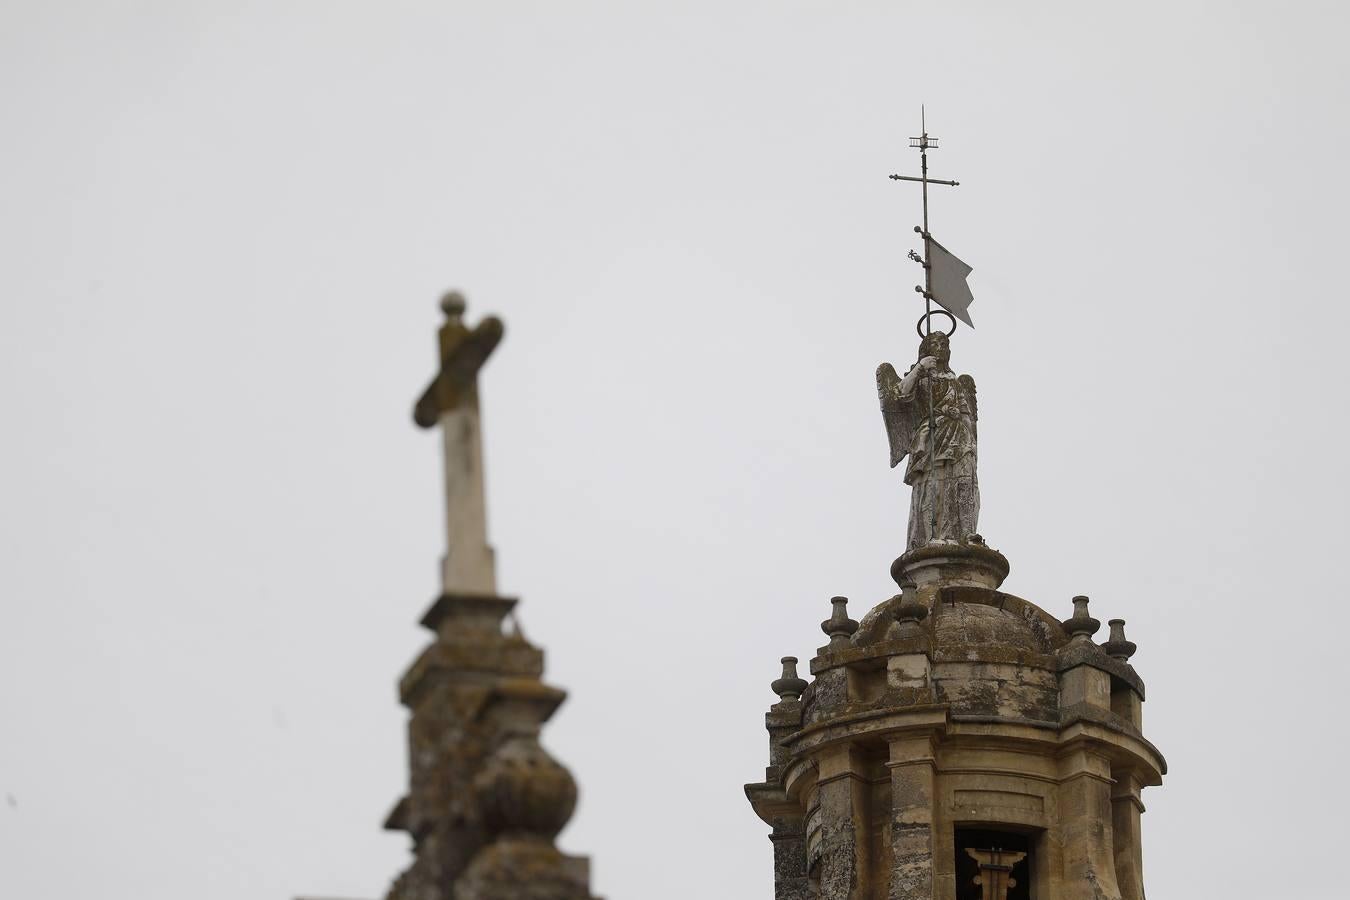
(771, 802)
(869, 656)
(975, 564)
(870, 722)
(541, 699)
(472, 661)
(475, 608)
(1121, 743)
(1103, 734)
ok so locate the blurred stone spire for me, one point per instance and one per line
(485, 800)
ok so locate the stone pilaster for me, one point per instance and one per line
(842, 810)
(913, 791)
(1126, 835)
(1085, 828)
(790, 880)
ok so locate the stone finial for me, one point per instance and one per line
(838, 626)
(523, 789)
(1116, 646)
(788, 686)
(1081, 626)
(909, 611)
(524, 798)
(453, 304)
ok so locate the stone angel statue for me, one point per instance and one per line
(945, 499)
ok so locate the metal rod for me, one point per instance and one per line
(927, 240)
(929, 180)
(928, 326)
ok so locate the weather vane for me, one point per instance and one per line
(944, 276)
(945, 500)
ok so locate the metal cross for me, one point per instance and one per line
(922, 143)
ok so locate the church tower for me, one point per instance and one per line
(957, 742)
(485, 800)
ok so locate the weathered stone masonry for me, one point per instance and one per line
(952, 707)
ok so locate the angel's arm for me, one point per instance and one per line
(907, 383)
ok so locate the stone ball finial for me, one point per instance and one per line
(1081, 626)
(453, 304)
(1116, 646)
(839, 626)
(524, 790)
(788, 686)
(909, 610)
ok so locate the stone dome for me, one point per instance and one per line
(969, 620)
(993, 656)
(979, 625)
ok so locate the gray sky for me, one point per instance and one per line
(226, 226)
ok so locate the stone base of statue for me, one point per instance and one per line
(969, 562)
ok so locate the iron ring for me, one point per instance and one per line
(918, 326)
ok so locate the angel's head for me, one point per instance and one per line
(936, 345)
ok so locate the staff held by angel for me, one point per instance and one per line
(930, 415)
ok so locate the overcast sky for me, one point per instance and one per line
(225, 230)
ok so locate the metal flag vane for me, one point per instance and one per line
(944, 276)
(944, 283)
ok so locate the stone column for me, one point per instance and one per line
(1085, 828)
(842, 793)
(913, 791)
(1126, 808)
(789, 860)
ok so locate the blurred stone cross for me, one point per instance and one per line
(451, 401)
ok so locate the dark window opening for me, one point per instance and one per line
(967, 869)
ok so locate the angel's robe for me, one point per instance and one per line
(945, 493)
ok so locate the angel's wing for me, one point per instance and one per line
(896, 414)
